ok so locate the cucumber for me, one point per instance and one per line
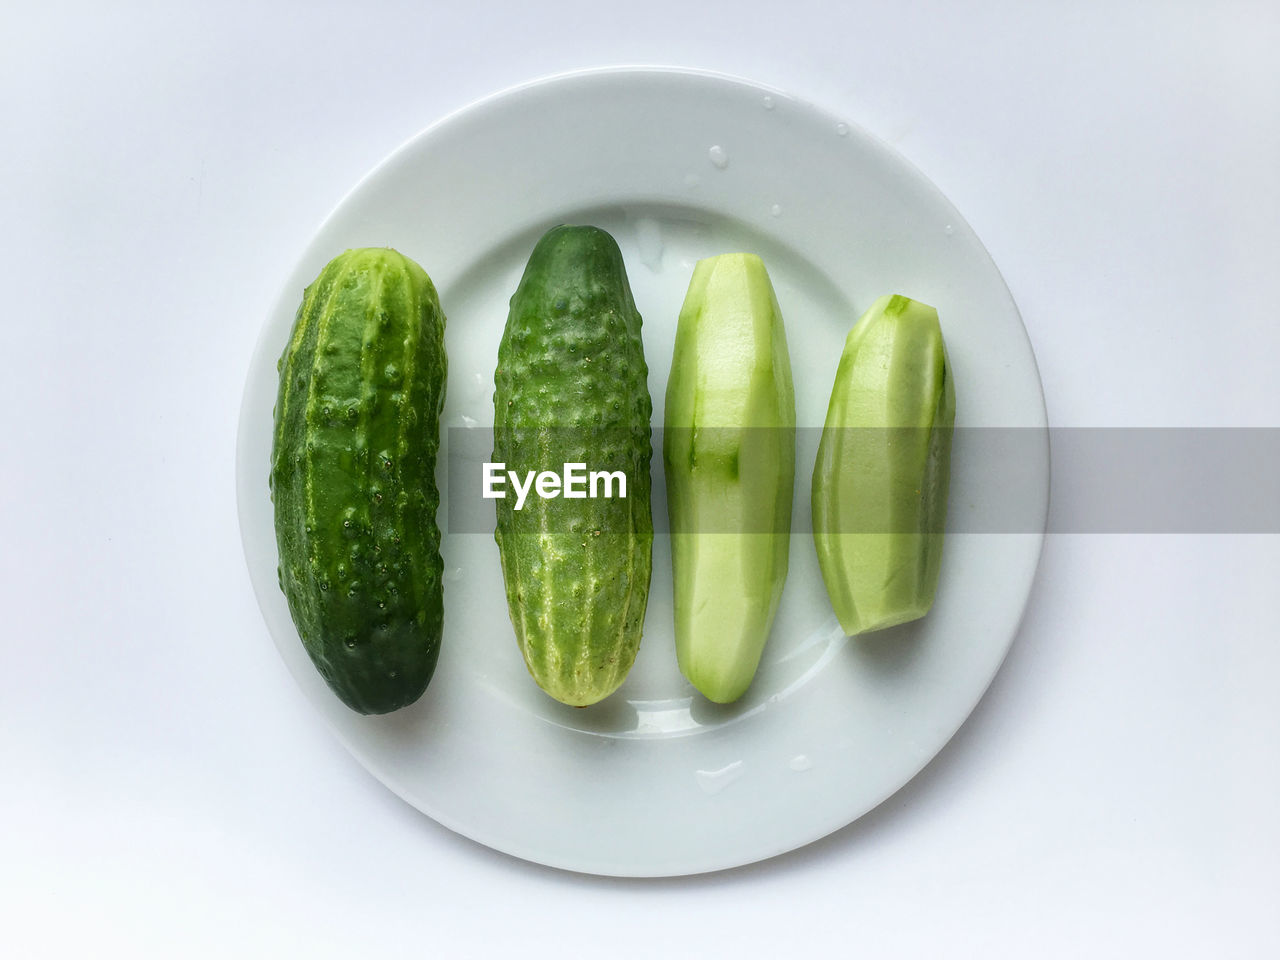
(729, 456)
(571, 386)
(883, 470)
(353, 465)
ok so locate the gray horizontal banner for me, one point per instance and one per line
(1105, 480)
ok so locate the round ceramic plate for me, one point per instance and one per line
(678, 165)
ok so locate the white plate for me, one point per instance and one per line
(677, 165)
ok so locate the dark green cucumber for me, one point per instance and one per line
(572, 387)
(353, 466)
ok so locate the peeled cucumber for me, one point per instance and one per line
(729, 456)
(883, 470)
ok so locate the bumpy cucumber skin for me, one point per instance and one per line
(729, 457)
(353, 463)
(571, 386)
(882, 476)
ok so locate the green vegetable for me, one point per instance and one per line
(353, 465)
(883, 469)
(729, 453)
(571, 387)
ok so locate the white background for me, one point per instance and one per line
(165, 790)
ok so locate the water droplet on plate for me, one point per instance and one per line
(649, 240)
(842, 129)
(768, 103)
(718, 157)
(800, 762)
(469, 422)
(775, 210)
(454, 575)
(948, 229)
(713, 781)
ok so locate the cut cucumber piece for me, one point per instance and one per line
(883, 469)
(729, 455)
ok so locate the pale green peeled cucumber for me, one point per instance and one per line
(729, 455)
(883, 470)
